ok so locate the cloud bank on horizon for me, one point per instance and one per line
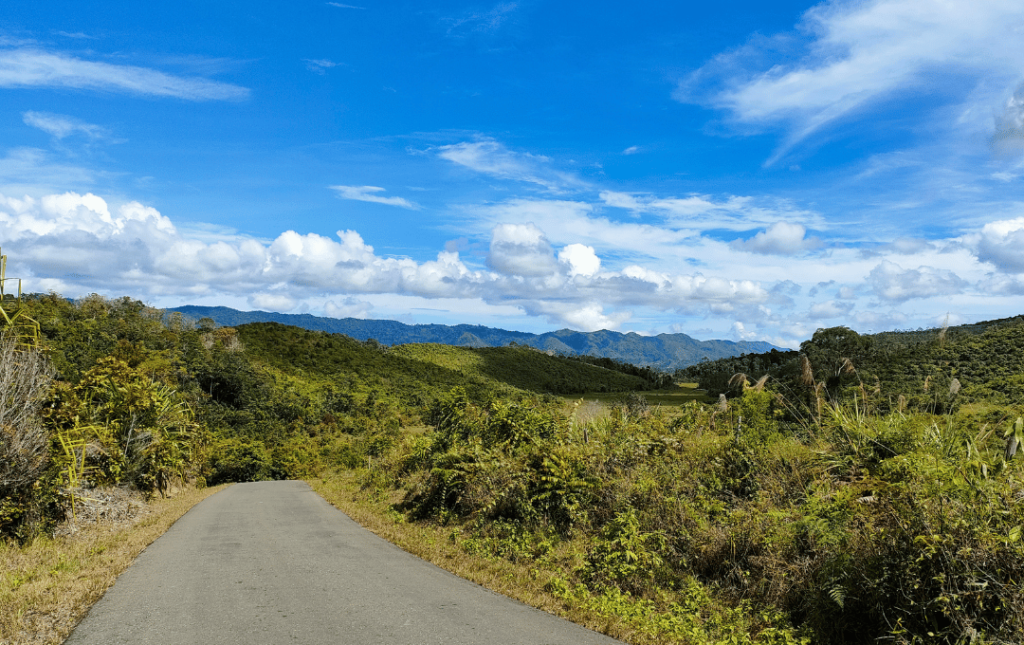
(861, 165)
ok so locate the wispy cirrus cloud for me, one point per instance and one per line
(369, 194)
(481, 21)
(25, 67)
(77, 35)
(859, 53)
(60, 126)
(490, 157)
(343, 6)
(703, 212)
(320, 65)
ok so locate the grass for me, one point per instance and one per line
(540, 584)
(673, 395)
(49, 584)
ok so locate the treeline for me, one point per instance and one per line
(656, 379)
(928, 370)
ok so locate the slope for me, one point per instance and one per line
(665, 351)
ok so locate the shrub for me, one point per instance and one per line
(25, 377)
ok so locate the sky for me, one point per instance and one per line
(737, 170)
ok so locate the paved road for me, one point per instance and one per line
(273, 563)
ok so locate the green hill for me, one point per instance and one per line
(410, 373)
(665, 351)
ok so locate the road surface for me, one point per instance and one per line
(273, 563)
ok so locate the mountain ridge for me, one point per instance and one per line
(664, 351)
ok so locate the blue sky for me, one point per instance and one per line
(740, 170)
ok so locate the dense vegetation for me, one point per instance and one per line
(123, 394)
(868, 489)
(664, 352)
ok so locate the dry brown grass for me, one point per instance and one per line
(524, 582)
(48, 585)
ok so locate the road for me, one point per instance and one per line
(273, 563)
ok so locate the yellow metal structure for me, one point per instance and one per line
(12, 315)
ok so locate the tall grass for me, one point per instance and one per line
(736, 523)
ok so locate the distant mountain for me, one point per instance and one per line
(665, 351)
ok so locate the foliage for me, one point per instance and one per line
(608, 349)
(25, 376)
(868, 489)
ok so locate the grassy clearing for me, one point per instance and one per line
(49, 584)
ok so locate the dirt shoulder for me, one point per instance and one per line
(48, 585)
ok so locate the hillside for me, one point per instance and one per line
(985, 359)
(412, 373)
(665, 351)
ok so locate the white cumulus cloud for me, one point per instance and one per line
(581, 259)
(781, 238)
(892, 282)
(520, 249)
(1001, 244)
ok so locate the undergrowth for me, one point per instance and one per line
(732, 524)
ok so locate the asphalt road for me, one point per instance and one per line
(273, 563)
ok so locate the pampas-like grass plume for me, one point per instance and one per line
(954, 388)
(846, 367)
(739, 379)
(757, 387)
(806, 373)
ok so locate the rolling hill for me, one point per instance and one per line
(665, 351)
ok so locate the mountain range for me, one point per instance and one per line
(664, 351)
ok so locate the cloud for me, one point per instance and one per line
(481, 21)
(730, 212)
(901, 246)
(60, 126)
(132, 248)
(489, 157)
(581, 260)
(586, 316)
(31, 170)
(860, 53)
(36, 68)
(632, 150)
(520, 249)
(781, 238)
(1001, 243)
(368, 194)
(344, 6)
(348, 308)
(894, 283)
(830, 309)
(272, 302)
(1009, 130)
(320, 65)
